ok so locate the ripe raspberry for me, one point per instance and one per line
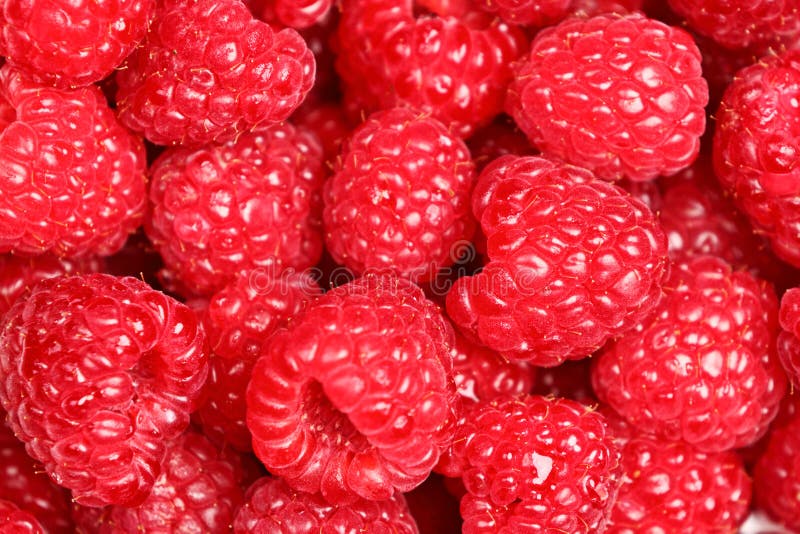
(433, 507)
(756, 155)
(329, 121)
(574, 262)
(672, 487)
(238, 320)
(74, 43)
(703, 369)
(95, 373)
(16, 521)
(590, 8)
(537, 13)
(534, 464)
(208, 71)
(355, 399)
(291, 13)
(619, 95)
(399, 200)
(272, 506)
(72, 178)
(789, 337)
(253, 203)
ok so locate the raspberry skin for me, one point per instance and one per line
(253, 203)
(755, 150)
(298, 14)
(537, 13)
(399, 199)
(16, 521)
(573, 262)
(272, 506)
(789, 337)
(621, 95)
(70, 44)
(703, 369)
(96, 372)
(207, 71)
(73, 179)
(356, 399)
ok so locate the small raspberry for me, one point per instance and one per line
(296, 14)
(16, 521)
(208, 71)
(789, 337)
(272, 506)
(537, 13)
(253, 203)
(703, 369)
(72, 178)
(95, 373)
(355, 399)
(71, 43)
(574, 262)
(399, 200)
(621, 95)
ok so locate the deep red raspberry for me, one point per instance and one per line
(789, 337)
(71, 43)
(590, 8)
(356, 399)
(703, 369)
(208, 71)
(96, 372)
(574, 261)
(238, 320)
(399, 200)
(534, 464)
(253, 203)
(720, 66)
(756, 154)
(72, 178)
(271, 506)
(138, 258)
(291, 13)
(329, 121)
(433, 507)
(619, 95)
(537, 13)
(569, 380)
(16, 521)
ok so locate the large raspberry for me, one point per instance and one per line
(399, 200)
(72, 179)
(619, 95)
(574, 261)
(703, 369)
(356, 398)
(208, 71)
(756, 154)
(252, 203)
(71, 43)
(96, 372)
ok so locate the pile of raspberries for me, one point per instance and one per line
(399, 267)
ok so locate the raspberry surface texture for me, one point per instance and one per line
(399, 200)
(356, 399)
(789, 337)
(621, 95)
(703, 370)
(573, 262)
(208, 71)
(16, 521)
(96, 372)
(535, 13)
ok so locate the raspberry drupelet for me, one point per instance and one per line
(16, 521)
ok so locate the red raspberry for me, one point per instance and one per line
(570, 380)
(16, 521)
(789, 337)
(590, 8)
(619, 95)
(703, 369)
(72, 179)
(238, 320)
(224, 209)
(292, 13)
(720, 66)
(208, 71)
(538, 13)
(672, 487)
(356, 399)
(756, 155)
(329, 121)
(574, 262)
(399, 200)
(534, 464)
(95, 373)
(433, 507)
(71, 43)
(500, 138)
(274, 507)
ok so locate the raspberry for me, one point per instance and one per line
(500, 138)
(72, 178)
(272, 506)
(536, 13)
(208, 71)
(328, 121)
(619, 95)
(71, 43)
(16, 521)
(574, 262)
(355, 399)
(292, 13)
(95, 373)
(703, 370)
(434, 509)
(672, 487)
(590, 8)
(399, 200)
(533, 464)
(789, 337)
(570, 380)
(756, 155)
(253, 203)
